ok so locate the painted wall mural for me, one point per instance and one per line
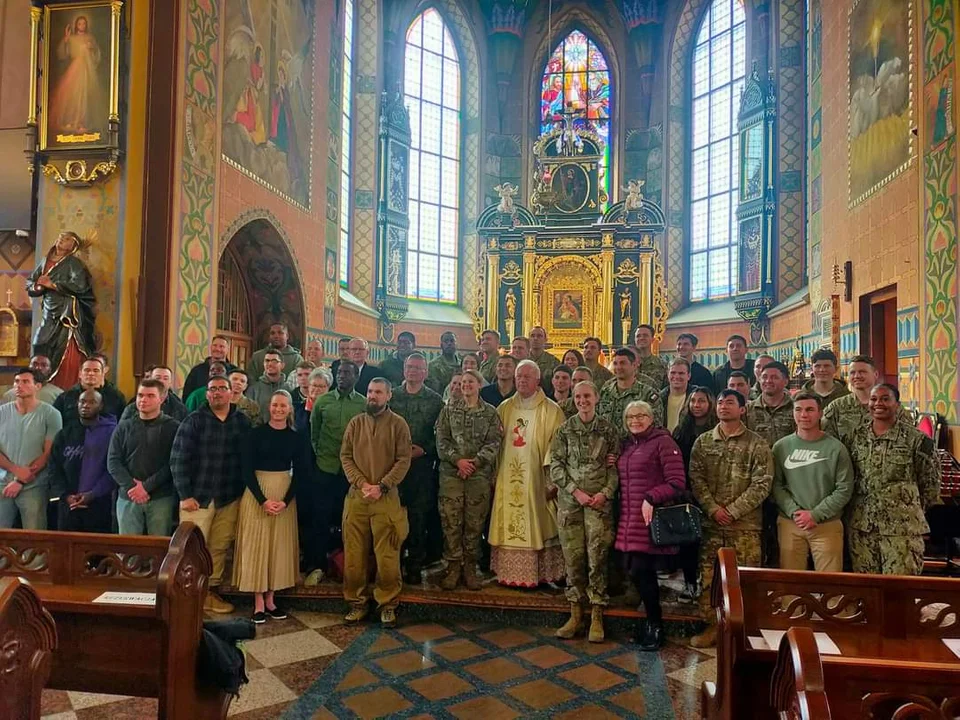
(940, 177)
(268, 93)
(880, 77)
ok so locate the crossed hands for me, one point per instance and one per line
(371, 492)
(466, 468)
(592, 501)
(274, 507)
(804, 520)
(137, 493)
(79, 501)
(24, 474)
(723, 516)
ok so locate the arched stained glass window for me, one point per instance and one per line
(719, 67)
(576, 81)
(432, 95)
(346, 147)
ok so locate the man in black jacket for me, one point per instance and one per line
(699, 375)
(736, 360)
(200, 373)
(92, 377)
(139, 461)
(170, 404)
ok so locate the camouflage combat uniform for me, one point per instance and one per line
(601, 375)
(772, 424)
(735, 472)
(613, 400)
(568, 407)
(488, 368)
(579, 462)
(440, 372)
(844, 416)
(418, 491)
(464, 432)
(897, 478)
(546, 362)
(654, 368)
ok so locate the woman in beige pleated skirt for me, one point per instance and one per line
(267, 550)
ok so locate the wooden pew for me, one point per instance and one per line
(140, 650)
(28, 638)
(893, 626)
(797, 691)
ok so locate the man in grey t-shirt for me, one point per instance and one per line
(27, 429)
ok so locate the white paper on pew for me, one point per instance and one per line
(125, 598)
(953, 644)
(825, 645)
(757, 643)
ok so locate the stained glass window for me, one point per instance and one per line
(576, 79)
(346, 109)
(719, 67)
(432, 95)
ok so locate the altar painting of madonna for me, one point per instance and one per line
(568, 309)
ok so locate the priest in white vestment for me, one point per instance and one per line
(525, 546)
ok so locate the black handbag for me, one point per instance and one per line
(676, 525)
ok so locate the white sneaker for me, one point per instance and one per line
(314, 578)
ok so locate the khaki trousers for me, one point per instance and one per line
(824, 542)
(219, 528)
(382, 525)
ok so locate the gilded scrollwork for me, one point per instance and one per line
(511, 273)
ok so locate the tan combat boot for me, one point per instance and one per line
(596, 624)
(572, 625)
(452, 578)
(706, 639)
(470, 578)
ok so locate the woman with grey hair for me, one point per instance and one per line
(267, 551)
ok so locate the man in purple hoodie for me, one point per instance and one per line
(78, 468)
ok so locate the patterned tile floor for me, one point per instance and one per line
(313, 666)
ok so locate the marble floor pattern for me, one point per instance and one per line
(312, 665)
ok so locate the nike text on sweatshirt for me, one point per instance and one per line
(815, 476)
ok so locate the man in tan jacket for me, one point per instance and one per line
(375, 454)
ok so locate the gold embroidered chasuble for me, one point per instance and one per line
(522, 518)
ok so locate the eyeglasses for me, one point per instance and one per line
(218, 389)
(637, 416)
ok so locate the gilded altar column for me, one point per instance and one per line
(529, 266)
(604, 324)
(493, 289)
(645, 282)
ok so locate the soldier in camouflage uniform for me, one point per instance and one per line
(581, 374)
(624, 389)
(731, 473)
(844, 416)
(771, 417)
(650, 368)
(489, 354)
(469, 433)
(544, 360)
(582, 470)
(897, 478)
(441, 369)
(420, 407)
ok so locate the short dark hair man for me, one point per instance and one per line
(200, 373)
(78, 468)
(650, 368)
(261, 390)
(504, 386)
(489, 353)
(699, 375)
(392, 367)
(440, 370)
(27, 431)
(93, 372)
(47, 392)
(592, 347)
(375, 456)
(736, 360)
(139, 461)
(198, 398)
(205, 464)
(289, 355)
(624, 389)
(343, 353)
(171, 405)
(825, 382)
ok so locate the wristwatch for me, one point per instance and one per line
(384, 489)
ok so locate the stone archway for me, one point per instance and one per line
(259, 286)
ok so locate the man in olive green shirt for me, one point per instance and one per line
(650, 368)
(441, 369)
(329, 418)
(544, 360)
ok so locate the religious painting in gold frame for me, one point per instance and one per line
(571, 186)
(80, 78)
(567, 299)
(568, 309)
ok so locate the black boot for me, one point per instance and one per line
(640, 631)
(654, 637)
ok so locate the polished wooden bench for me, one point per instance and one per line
(915, 691)
(146, 650)
(28, 638)
(893, 626)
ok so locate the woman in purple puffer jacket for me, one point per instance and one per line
(651, 474)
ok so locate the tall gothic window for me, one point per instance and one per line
(719, 66)
(432, 95)
(576, 81)
(346, 109)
